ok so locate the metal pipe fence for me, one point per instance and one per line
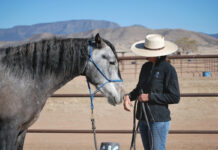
(186, 66)
(123, 131)
(190, 66)
(118, 131)
(100, 95)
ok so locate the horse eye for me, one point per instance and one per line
(112, 62)
(104, 57)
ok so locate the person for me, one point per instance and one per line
(157, 88)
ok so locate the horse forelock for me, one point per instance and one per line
(114, 51)
(57, 56)
(112, 47)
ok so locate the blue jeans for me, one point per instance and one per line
(159, 131)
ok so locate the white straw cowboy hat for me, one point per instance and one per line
(154, 45)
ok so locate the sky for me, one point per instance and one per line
(193, 15)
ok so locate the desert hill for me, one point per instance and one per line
(18, 33)
(121, 37)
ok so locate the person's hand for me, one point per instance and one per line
(127, 103)
(143, 98)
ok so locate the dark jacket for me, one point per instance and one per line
(161, 83)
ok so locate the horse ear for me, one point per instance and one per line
(97, 39)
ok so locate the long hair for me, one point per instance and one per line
(161, 58)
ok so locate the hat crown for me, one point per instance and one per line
(154, 41)
(154, 45)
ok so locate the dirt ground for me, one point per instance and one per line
(74, 113)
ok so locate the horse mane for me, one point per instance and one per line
(112, 47)
(52, 56)
(59, 56)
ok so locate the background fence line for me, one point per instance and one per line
(118, 131)
(190, 64)
(186, 66)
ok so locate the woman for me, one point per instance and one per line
(157, 87)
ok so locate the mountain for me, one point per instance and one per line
(214, 35)
(123, 37)
(33, 38)
(18, 33)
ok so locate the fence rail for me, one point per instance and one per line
(118, 131)
(170, 57)
(100, 95)
(124, 131)
(210, 61)
(186, 65)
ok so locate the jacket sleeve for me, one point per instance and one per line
(133, 95)
(171, 94)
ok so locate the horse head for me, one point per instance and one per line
(102, 70)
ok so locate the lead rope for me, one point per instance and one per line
(94, 130)
(135, 129)
(92, 115)
(92, 95)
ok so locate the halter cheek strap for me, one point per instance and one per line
(92, 95)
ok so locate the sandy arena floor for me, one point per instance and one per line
(74, 113)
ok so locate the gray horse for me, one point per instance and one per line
(31, 73)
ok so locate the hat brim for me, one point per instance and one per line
(139, 49)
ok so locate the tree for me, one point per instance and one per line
(187, 45)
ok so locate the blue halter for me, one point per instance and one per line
(92, 95)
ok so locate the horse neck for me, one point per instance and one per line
(51, 63)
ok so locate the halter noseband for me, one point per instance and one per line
(92, 95)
